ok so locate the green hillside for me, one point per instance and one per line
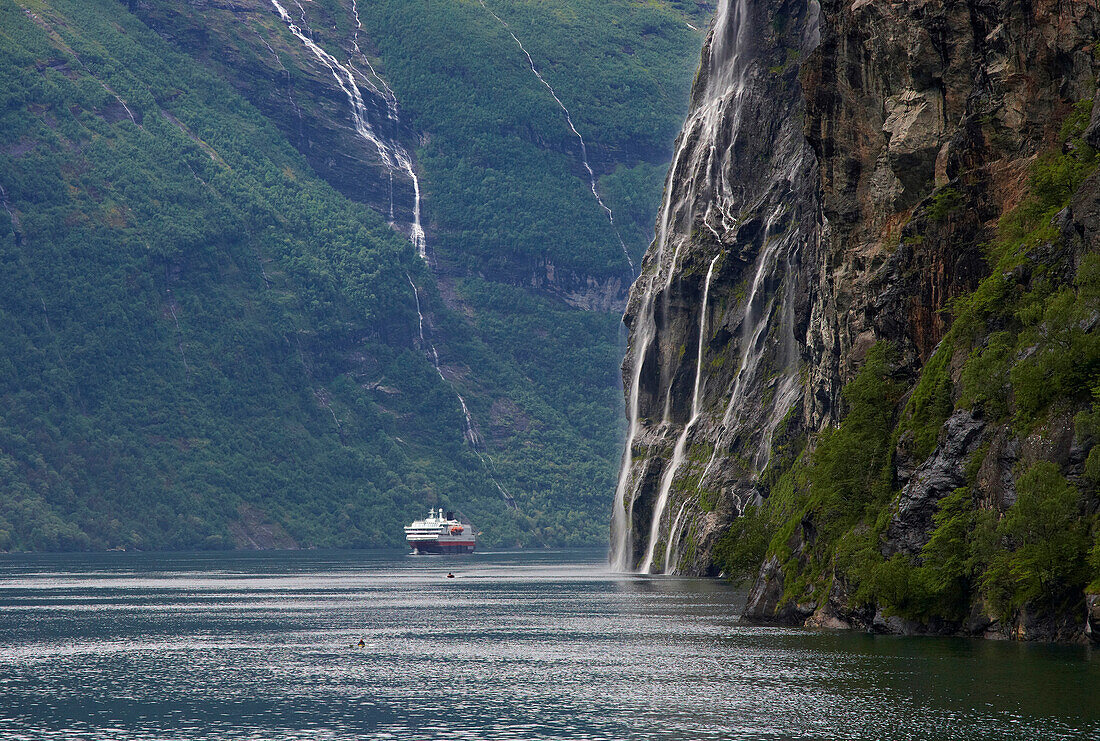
(206, 345)
(191, 320)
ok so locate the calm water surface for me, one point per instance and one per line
(517, 646)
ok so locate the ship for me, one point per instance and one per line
(440, 534)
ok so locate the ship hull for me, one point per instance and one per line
(434, 546)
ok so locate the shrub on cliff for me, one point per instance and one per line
(1045, 544)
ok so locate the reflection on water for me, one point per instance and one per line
(517, 646)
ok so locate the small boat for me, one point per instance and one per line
(440, 534)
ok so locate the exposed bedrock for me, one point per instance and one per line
(837, 185)
(712, 372)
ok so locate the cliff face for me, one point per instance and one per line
(906, 100)
(712, 372)
(936, 418)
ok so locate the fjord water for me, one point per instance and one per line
(516, 646)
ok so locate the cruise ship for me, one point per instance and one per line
(439, 534)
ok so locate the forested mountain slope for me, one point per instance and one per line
(215, 328)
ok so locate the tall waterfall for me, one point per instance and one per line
(396, 160)
(393, 155)
(722, 273)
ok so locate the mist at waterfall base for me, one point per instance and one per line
(517, 646)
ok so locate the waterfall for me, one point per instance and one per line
(569, 121)
(395, 159)
(394, 156)
(385, 91)
(727, 179)
(681, 442)
(673, 539)
(469, 432)
(753, 331)
(723, 83)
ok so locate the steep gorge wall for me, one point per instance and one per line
(905, 100)
(952, 177)
(712, 372)
(946, 273)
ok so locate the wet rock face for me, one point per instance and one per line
(712, 371)
(922, 120)
(924, 117)
(937, 477)
(902, 99)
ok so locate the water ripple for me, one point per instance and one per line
(519, 646)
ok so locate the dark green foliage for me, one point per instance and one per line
(832, 499)
(847, 468)
(953, 557)
(503, 166)
(1045, 539)
(984, 378)
(945, 202)
(1087, 428)
(931, 403)
(1065, 362)
(941, 583)
(741, 549)
(1094, 563)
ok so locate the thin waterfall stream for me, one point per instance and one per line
(681, 442)
(469, 431)
(395, 158)
(576, 133)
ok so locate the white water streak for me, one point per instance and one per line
(469, 432)
(394, 157)
(386, 92)
(669, 474)
(716, 111)
(573, 128)
(673, 539)
(179, 331)
(754, 328)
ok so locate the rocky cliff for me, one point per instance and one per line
(885, 408)
(713, 370)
